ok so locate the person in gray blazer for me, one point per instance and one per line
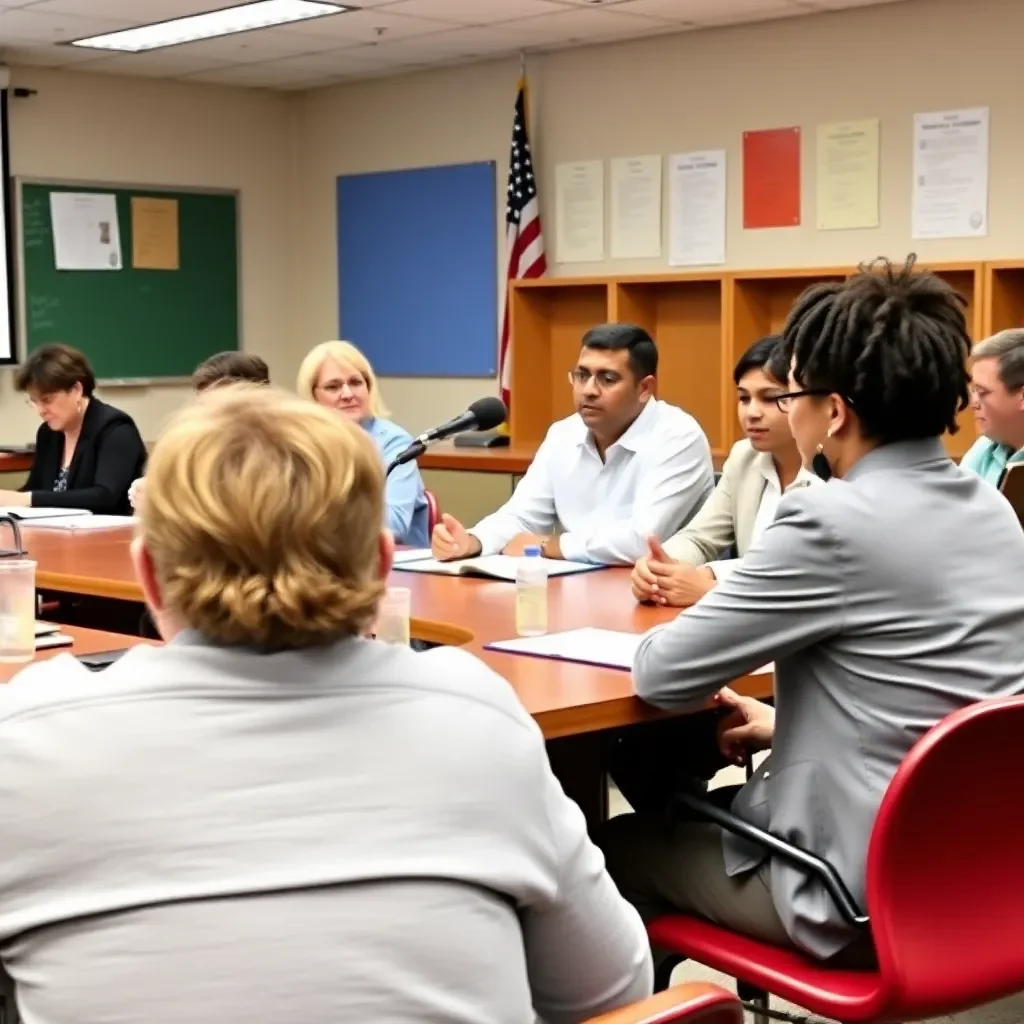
(887, 599)
(759, 470)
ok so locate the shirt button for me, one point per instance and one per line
(766, 775)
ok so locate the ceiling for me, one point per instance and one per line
(381, 37)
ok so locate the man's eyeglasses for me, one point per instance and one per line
(580, 377)
(785, 400)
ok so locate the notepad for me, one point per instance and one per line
(86, 522)
(27, 512)
(494, 567)
(53, 640)
(43, 628)
(608, 648)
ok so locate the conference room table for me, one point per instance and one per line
(574, 705)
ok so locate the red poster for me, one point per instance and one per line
(771, 178)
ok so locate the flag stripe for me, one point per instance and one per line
(524, 241)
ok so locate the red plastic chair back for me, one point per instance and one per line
(944, 884)
(433, 510)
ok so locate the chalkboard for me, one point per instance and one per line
(133, 323)
(418, 269)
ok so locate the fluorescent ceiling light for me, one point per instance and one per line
(240, 18)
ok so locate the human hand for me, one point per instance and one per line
(747, 728)
(451, 541)
(521, 541)
(643, 582)
(15, 499)
(136, 493)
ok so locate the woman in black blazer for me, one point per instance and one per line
(87, 452)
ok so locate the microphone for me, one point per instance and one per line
(483, 414)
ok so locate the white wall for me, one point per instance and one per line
(688, 91)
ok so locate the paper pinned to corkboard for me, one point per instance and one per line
(155, 234)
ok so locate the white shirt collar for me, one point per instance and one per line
(766, 465)
(635, 433)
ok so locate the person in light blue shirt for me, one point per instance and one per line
(997, 398)
(337, 375)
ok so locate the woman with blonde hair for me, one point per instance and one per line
(338, 376)
(301, 821)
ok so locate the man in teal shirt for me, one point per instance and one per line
(997, 398)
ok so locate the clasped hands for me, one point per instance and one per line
(658, 579)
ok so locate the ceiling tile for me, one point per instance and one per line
(128, 12)
(30, 26)
(471, 12)
(153, 64)
(366, 26)
(835, 5)
(446, 46)
(717, 12)
(259, 45)
(49, 56)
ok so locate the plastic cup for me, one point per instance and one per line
(393, 616)
(17, 610)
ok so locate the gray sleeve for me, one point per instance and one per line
(586, 949)
(786, 595)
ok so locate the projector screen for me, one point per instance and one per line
(6, 243)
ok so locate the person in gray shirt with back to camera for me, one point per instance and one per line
(275, 817)
(887, 599)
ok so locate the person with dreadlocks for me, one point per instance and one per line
(881, 602)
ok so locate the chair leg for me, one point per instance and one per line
(756, 1000)
(663, 969)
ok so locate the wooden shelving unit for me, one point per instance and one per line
(701, 322)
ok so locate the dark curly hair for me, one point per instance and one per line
(892, 342)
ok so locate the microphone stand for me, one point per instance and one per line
(414, 451)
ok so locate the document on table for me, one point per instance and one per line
(25, 513)
(75, 523)
(608, 648)
(497, 567)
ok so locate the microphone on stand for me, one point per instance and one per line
(483, 414)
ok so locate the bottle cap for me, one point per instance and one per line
(533, 551)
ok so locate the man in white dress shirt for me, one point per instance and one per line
(625, 467)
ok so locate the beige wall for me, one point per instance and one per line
(688, 91)
(681, 92)
(134, 131)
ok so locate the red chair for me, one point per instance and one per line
(433, 511)
(695, 1003)
(943, 888)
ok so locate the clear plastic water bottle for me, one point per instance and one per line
(532, 594)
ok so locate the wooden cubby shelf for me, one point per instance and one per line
(701, 322)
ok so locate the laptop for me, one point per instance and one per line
(1013, 488)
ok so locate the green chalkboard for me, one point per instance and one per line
(134, 323)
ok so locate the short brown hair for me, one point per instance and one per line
(263, 518)
(230, 368)
(55, 368)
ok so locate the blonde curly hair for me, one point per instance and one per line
(263, 517)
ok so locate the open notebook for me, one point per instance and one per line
(494, 567)
(26, 513)
(609, 648)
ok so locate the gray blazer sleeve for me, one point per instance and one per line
(712, 529)
(788, 594)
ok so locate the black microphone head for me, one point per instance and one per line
(490, 412)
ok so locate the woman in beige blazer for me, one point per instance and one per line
(758, 471)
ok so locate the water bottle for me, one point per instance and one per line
(532, 594)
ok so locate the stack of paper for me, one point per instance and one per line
(495, 567)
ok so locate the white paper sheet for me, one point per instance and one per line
(86, 522)
(499, 567)
(697, 197)
(579, 212)
(611, 648)
(951, 167)
(28, 512)
(86, 234)
(636, 207)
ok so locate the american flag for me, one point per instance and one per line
(524, 243)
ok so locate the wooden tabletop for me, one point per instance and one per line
(564, 698)
(10, 463)
(87, 641)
